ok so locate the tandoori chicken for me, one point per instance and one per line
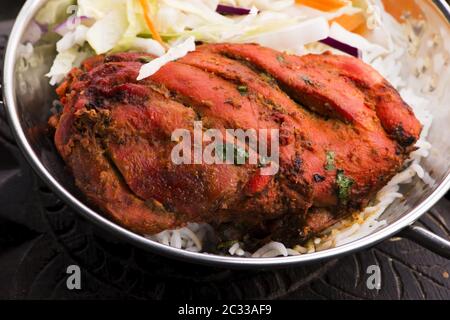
(344, 132)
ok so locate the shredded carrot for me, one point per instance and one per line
(149, 22)
(354, 22)
(323, 5)
(398, 8)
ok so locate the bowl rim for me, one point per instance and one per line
(28, 11)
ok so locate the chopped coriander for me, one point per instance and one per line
(144, 59)
(240, 155)
(243, 89)
(344, 185)
(330, 159)
(280, 58)
(268, 78)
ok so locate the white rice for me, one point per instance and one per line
(393, 62)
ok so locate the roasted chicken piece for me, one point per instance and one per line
(344, 132)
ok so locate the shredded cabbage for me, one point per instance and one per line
(106, 32)
(355, 40)
(98, 9)
(274, 5)
(174, 53)
(147, 45)
(64, 62)
(72, 38)
(119, 25)
(304, 32)
(54, 11)
(199, 8)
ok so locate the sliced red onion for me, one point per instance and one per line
(230, 10)
(43, 27)
(342, 47)
(65, 27)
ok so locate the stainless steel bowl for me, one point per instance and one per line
(28, 99)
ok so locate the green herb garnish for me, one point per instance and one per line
(268, 78)
(240, 155)
(280, 58)
(344, 185)
(145, 59)
(243, 90)
(329, 164)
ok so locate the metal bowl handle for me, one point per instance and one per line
(428, 240)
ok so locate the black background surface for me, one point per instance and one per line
(40, 237)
